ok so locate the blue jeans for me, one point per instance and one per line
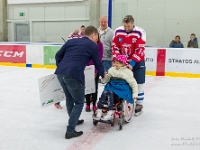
(107, 64)
(74, 92)
(109, 96)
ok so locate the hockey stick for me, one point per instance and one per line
(63, 39)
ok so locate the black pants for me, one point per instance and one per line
(139, 72)
(93, 95)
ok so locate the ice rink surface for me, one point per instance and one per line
(171, 118)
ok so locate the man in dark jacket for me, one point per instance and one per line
(176, 43)
(193, 43)
(71, 60)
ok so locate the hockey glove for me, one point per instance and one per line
(132, 63)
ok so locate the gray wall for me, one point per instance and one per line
(162, 19)
(48, 21)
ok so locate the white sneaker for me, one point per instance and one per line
(109, 115)
(98, 113)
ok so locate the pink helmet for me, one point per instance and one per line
(122, 58)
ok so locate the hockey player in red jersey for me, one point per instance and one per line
(130, 40)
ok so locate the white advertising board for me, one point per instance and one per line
(150, 58)
(183, 60)
(51, 92)
(38, 1)
(35, 54)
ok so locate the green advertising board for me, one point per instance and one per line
(49, 54)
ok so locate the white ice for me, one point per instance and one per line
(171, 118)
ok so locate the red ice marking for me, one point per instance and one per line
(160, 68)
(88, 140)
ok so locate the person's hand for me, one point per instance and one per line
(102, 79)
(134, 98)
(129, 67)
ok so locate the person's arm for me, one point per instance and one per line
(60, 54)
(108, 76)
(100, 51)
(139, 48)
(171, 44)
(195, 45)
(111, 34)
(132, 82)
(71, 36)
(96, 59)
(182, 46)
(188, 45)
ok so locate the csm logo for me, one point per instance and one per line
(134, 40)
(11, 54)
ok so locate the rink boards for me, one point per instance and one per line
(175, 62)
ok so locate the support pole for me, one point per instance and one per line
(3, 23)
(110, 13)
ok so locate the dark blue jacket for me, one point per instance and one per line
(73, 56)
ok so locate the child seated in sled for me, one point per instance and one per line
(120, 81)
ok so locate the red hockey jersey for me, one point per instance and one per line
(131, 44)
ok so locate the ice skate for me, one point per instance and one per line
(98, 114)
(109, 115)
(138, 109)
